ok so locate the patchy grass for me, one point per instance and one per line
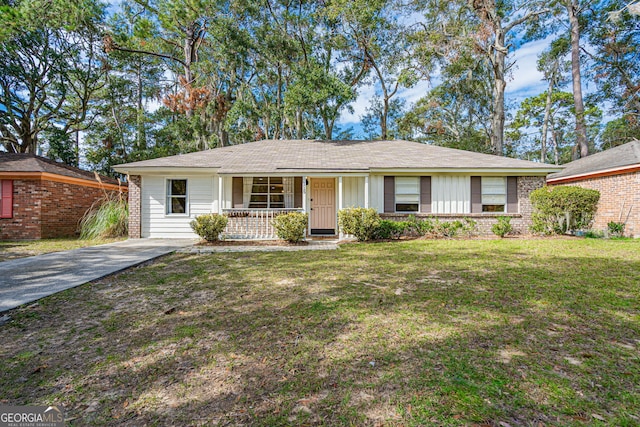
(10, 249)
(454, 333)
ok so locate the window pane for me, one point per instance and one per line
(260, 180)
(264, 189)
(406, 207)
(178, 205)
(276, 189)
(407, 185)
(494, 199)
(259, 198)
(279, 198)
(493, 185)
(407, 198)
(178, 187)
(275, 180)
(492, 208)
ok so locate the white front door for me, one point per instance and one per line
(323, 206)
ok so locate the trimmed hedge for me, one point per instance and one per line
(562, 209)
(359, 222)
(209, 226)
(291, 227)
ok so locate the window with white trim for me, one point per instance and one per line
(407, 193)
(177, 197)
(274, 192)
(494, 194)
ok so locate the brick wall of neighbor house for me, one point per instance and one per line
(135, 195)
(47, 209)
(619, 198)
(521, 221)
(25, 223)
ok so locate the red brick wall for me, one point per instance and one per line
(47, 209)
(619, 194)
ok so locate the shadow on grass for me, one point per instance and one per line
(445, 333)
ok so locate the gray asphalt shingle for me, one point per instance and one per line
(272, 156)
(617, 157)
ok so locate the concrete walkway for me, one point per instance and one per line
(28, 279)
(312, 245)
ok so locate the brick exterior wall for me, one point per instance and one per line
(46, 209)
(135, 208)
(619, 197)
(520, 221)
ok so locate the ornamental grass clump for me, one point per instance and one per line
(107, 218)
(209, 226)
(291, 226)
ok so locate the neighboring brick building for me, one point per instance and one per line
(616, 174)
(41, 198)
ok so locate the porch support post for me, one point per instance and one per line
(220, 195)
(339, 193)
(304, 194)
(366, 191)
(339, 204)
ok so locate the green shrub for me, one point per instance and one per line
(109, 217)
(616, 229)
(447, 229)
(391, 229)
(362, 223)
(502, 227)
(562, 209)
(291, 227)
(209, 226)
(594, 234)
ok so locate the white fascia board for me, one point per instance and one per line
(166, 171)
(471, 171)
(307, 173)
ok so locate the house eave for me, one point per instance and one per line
(166, 170)
(476, 171)
(594, 174)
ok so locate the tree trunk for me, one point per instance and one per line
(581, 128)
(499, 85)
(545, 123)
(141, 138)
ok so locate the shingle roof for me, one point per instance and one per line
(273, 156)
(613, 158)
(12, 162)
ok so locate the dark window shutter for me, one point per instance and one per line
(297, 192)
(236, 194)
(389, 194)
(476, 194)
(6, 204)
(512, 194)
(425, 194)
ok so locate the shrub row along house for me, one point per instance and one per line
(615, 173)
(41, 198)
(252, 183)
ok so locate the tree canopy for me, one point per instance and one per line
(83, 81)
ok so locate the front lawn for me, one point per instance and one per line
(12, 249)
(453, 332)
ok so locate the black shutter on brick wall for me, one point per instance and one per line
(389, 194)
(425, 194)
(476, 194)
(512, 194)
(236, 195)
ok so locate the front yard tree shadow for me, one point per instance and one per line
(415, 333)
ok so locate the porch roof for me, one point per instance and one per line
(315, 156)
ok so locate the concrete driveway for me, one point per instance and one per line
(28, 279)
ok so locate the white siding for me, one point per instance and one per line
(353, 191)
(156, 223)
(376, 192)
(450, 194)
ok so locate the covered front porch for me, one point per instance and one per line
(255, 201)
